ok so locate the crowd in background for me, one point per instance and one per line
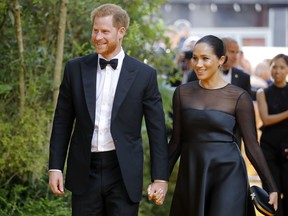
(182, 42)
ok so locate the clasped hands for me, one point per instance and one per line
(157, 191)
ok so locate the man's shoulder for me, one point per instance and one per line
(87, 58)
(131, 61)
(240, 72)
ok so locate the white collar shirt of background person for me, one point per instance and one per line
(107, 80)
(227, 77)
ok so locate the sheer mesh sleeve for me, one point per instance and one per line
(175, 141)
(245, 118)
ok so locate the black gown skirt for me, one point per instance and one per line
(212, 174)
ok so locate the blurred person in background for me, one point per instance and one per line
(243, 63)
(273, 109)
(182, 27)
(188, 53)
(230, 73)
(262, 70)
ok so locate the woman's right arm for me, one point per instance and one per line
(268, 119)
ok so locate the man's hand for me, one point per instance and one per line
(157, 191)
(56, 182)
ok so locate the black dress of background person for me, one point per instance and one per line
(273, 109)
(107, 182)
(212, 178)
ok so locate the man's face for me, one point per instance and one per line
(106, 38)
(232, 50)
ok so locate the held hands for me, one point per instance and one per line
(273, 200)
(56, 182)
(157, 191)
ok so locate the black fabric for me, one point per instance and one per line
(137, 92)
(273, 141)
(113, 63)
(212, 177)
(107, 194)
(225, 72)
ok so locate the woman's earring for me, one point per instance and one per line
(220, 66)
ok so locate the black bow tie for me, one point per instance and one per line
(113, 63)
(225, 72)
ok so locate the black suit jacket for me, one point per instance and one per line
(137, 95)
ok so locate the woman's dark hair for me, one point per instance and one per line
(216, 44)
(280, 56)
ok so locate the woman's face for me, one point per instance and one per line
(205, 62)
(279, 70)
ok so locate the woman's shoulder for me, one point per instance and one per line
(187, 87)
(236, 90)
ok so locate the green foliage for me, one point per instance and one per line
(23, 144)
(33, 199)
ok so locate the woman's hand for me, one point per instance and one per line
(273, 200)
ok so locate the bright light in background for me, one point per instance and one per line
(258, 54)
(213, 8)
(191, 6)
(167, 7)
(258, 7)
(236, 7)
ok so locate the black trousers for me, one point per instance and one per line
(107, 195)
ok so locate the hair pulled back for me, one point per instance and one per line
(216, 44)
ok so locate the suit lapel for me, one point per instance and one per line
(127, 75)
(234, 78)
(89, 70)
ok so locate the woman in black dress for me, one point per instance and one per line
(212, 178)
(273, 110)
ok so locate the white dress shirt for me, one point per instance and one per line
(107, 80)
(227, 77)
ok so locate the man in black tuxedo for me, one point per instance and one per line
(97, 125)
(232, 74)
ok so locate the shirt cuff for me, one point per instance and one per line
(55, 170)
